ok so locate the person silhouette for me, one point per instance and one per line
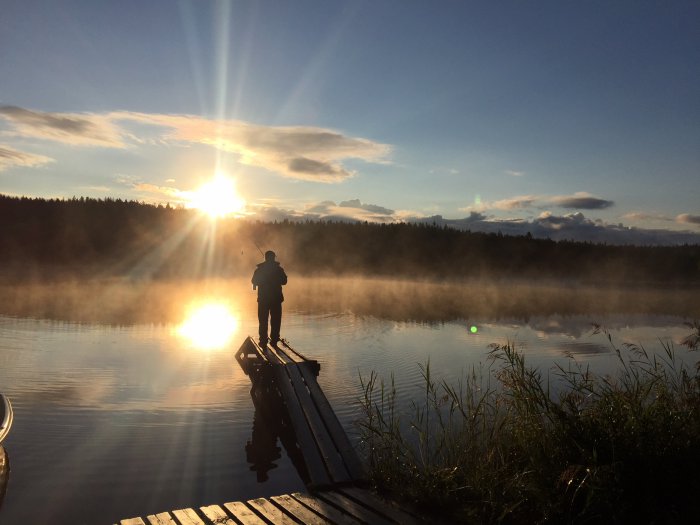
(268, 279)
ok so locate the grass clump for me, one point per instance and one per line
(500, 446)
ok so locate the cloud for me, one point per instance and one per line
(687, 218)
(351, 210)
(514, 173)
(69, 128)
(160, 190)
(10, 157)
(571, 226)
(373, 208)
(522, 201)
(323, 170)
(298, 152)
(305, 153)
(156, 194)
(581, 201)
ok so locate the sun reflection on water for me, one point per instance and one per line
(209, 326)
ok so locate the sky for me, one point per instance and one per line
(564, 119)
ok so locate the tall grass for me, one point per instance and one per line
(500, 446)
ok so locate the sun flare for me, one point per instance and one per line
(209, 326)
(218, 197)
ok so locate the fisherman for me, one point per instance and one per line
(268, 278)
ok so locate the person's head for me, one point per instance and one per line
(269, 255)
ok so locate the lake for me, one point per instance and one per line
(128, 399)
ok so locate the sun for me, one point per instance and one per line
(209, 326)
(218, 197)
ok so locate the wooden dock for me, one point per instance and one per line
(284, 383)
(346, 506)
(327, 452)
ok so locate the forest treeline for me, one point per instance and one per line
(84, 237)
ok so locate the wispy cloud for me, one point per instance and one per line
(164, 191)
(577, 201)
(306, 153)
(514, 203)
(514, 173)
(298, 152)
(687, 218)
(581, 201)
(352, 209)
(76, 129)
(644, 216)
(10, 157)
(372, 208)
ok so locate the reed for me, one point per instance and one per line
(507, 444)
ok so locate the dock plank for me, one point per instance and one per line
(163, 518)
(299, 511)
(188, 517)
(244, 514)
(312, 455)
(354, 508)
(331, 456)
(375, 502)
(271, 512)
(326, 509)
(133, 521)
(330, 419)
(335, 429)
(217, 515)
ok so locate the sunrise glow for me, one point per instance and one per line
(218, 197)
(209, 326)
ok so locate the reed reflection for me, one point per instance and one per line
(209, 326)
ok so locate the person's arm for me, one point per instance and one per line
(254, 280)
(283, 276)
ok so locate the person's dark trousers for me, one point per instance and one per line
(274, 312)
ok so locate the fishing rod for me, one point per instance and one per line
(258, 247)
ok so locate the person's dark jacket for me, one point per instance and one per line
(268, 278)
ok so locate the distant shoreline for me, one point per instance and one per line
(52, 240)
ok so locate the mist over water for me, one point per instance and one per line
(119, 412)
(127, 302)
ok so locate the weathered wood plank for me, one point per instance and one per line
(132, 521)
(330, 419)
(372, 500)
(356, 509)
(326, 509)
(299, 511)
(271, 512)
(312, 455)
(161, 519)
(331, 455)
(291, 350)
(188, 517)
(217, 515)
(291, 356)
(244, 514)
(335, 429)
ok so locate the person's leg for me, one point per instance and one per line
(263, 312)
(275, 322)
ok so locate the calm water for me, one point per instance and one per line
(118, 416)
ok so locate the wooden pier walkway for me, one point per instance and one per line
(327, 452)
(346, 506)
(284, 381)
